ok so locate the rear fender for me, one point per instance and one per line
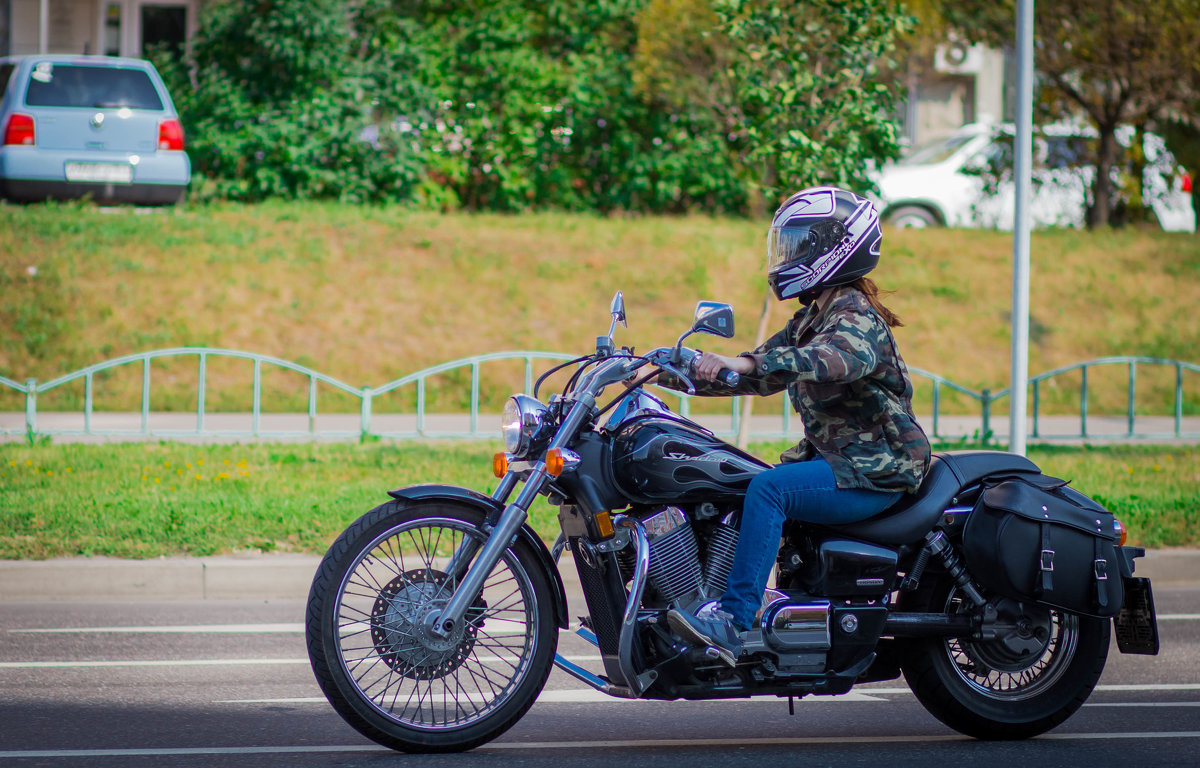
(416, 494)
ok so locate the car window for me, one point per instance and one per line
(1067, 151)
(934, 151)
(6, 71)
(76, 85)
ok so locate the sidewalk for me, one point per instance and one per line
(227, 427)
(287, 577)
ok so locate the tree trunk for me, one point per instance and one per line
(1102, 185)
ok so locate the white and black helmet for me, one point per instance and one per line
(821, 237)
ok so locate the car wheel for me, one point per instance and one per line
(912, 217)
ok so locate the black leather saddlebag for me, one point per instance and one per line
(1033, 538)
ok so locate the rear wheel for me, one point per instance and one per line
(381, 668)
(1034, 674)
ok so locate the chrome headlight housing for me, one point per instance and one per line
(525, 423)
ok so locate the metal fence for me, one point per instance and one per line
(420, 423)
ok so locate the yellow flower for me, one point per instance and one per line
(70, 470)
(222, 476)
(29, 462)
(199, 477)
(200, 462)
(189, 465)
(227, 462)
(158, 479)
(167, 464)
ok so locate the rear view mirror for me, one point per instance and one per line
(715, 318)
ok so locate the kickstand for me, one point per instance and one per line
(791, 706)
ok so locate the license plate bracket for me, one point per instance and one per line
(1137, 623)
(105, 173)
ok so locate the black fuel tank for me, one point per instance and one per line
(659, 459)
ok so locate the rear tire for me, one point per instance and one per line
(400, 686)
(1019, 685)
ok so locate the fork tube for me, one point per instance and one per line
(501, 536)
(505, 488)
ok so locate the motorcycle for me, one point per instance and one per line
(432, 622)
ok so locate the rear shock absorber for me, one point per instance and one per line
(937, 543)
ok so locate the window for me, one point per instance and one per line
(6, 71)
(72, 85)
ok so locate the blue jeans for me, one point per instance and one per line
(805, 491)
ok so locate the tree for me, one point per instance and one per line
(277, 97)
(794, 87)
(1116, 62)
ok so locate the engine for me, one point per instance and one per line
(691, 554)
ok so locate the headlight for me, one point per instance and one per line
(523, 424)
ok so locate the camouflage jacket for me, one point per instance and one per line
(838, 360)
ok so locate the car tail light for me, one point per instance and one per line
(1187, 182)
(19, 130)
(170, 135)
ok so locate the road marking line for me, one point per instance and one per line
(206, 662)
(1144, 704)
(723, 743)
(572, 696)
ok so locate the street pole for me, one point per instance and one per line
(1024, 166)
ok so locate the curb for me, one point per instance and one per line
(288, 577)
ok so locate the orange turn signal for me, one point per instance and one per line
(1122, 533)
(604, 524)
(555, 463)
(500, 464)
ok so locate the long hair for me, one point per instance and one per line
(868, 288)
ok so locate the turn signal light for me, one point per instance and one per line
(555, 463)
(604, 524)
(1122, 533)
(500, 464)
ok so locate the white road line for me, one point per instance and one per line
(690, 744)
(1144, 704)
(182, 629)
(581, 659)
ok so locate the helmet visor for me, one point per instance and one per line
(802, 242)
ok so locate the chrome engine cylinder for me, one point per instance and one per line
(719, 561)
(674, 555)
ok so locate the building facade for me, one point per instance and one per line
(110, 27)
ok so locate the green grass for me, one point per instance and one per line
(141, 500)
(369, 294)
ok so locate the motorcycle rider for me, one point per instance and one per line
(838, 360)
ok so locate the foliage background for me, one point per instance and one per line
(508, 105)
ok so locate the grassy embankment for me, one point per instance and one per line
(367, 295)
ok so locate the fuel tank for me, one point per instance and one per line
(661, 459)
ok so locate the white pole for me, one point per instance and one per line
(1024, 165)
(44, 26)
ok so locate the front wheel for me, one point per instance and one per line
(1034, 674)
(385, 673)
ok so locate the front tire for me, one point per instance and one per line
(405, 688)
(1024, 682)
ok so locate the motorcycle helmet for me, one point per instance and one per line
(821, 237)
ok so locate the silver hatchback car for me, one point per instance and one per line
(89, 126)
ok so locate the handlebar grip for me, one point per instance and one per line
(729, 378)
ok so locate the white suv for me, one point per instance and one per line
(942, 183)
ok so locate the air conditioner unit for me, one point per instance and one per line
(956, 57)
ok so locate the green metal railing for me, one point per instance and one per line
(419, 380)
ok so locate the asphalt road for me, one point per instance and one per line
(227, 683)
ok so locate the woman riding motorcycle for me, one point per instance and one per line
(838, 360)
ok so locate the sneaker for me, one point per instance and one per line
(709, 628)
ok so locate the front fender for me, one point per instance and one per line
(487, 505)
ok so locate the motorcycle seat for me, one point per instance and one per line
(908, 520)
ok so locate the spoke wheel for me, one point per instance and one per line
(1036, 670)
(371, 613)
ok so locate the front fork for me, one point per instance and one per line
(499, 538)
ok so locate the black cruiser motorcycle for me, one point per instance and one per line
(433, 620)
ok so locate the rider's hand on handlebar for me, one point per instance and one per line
(709, 365)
